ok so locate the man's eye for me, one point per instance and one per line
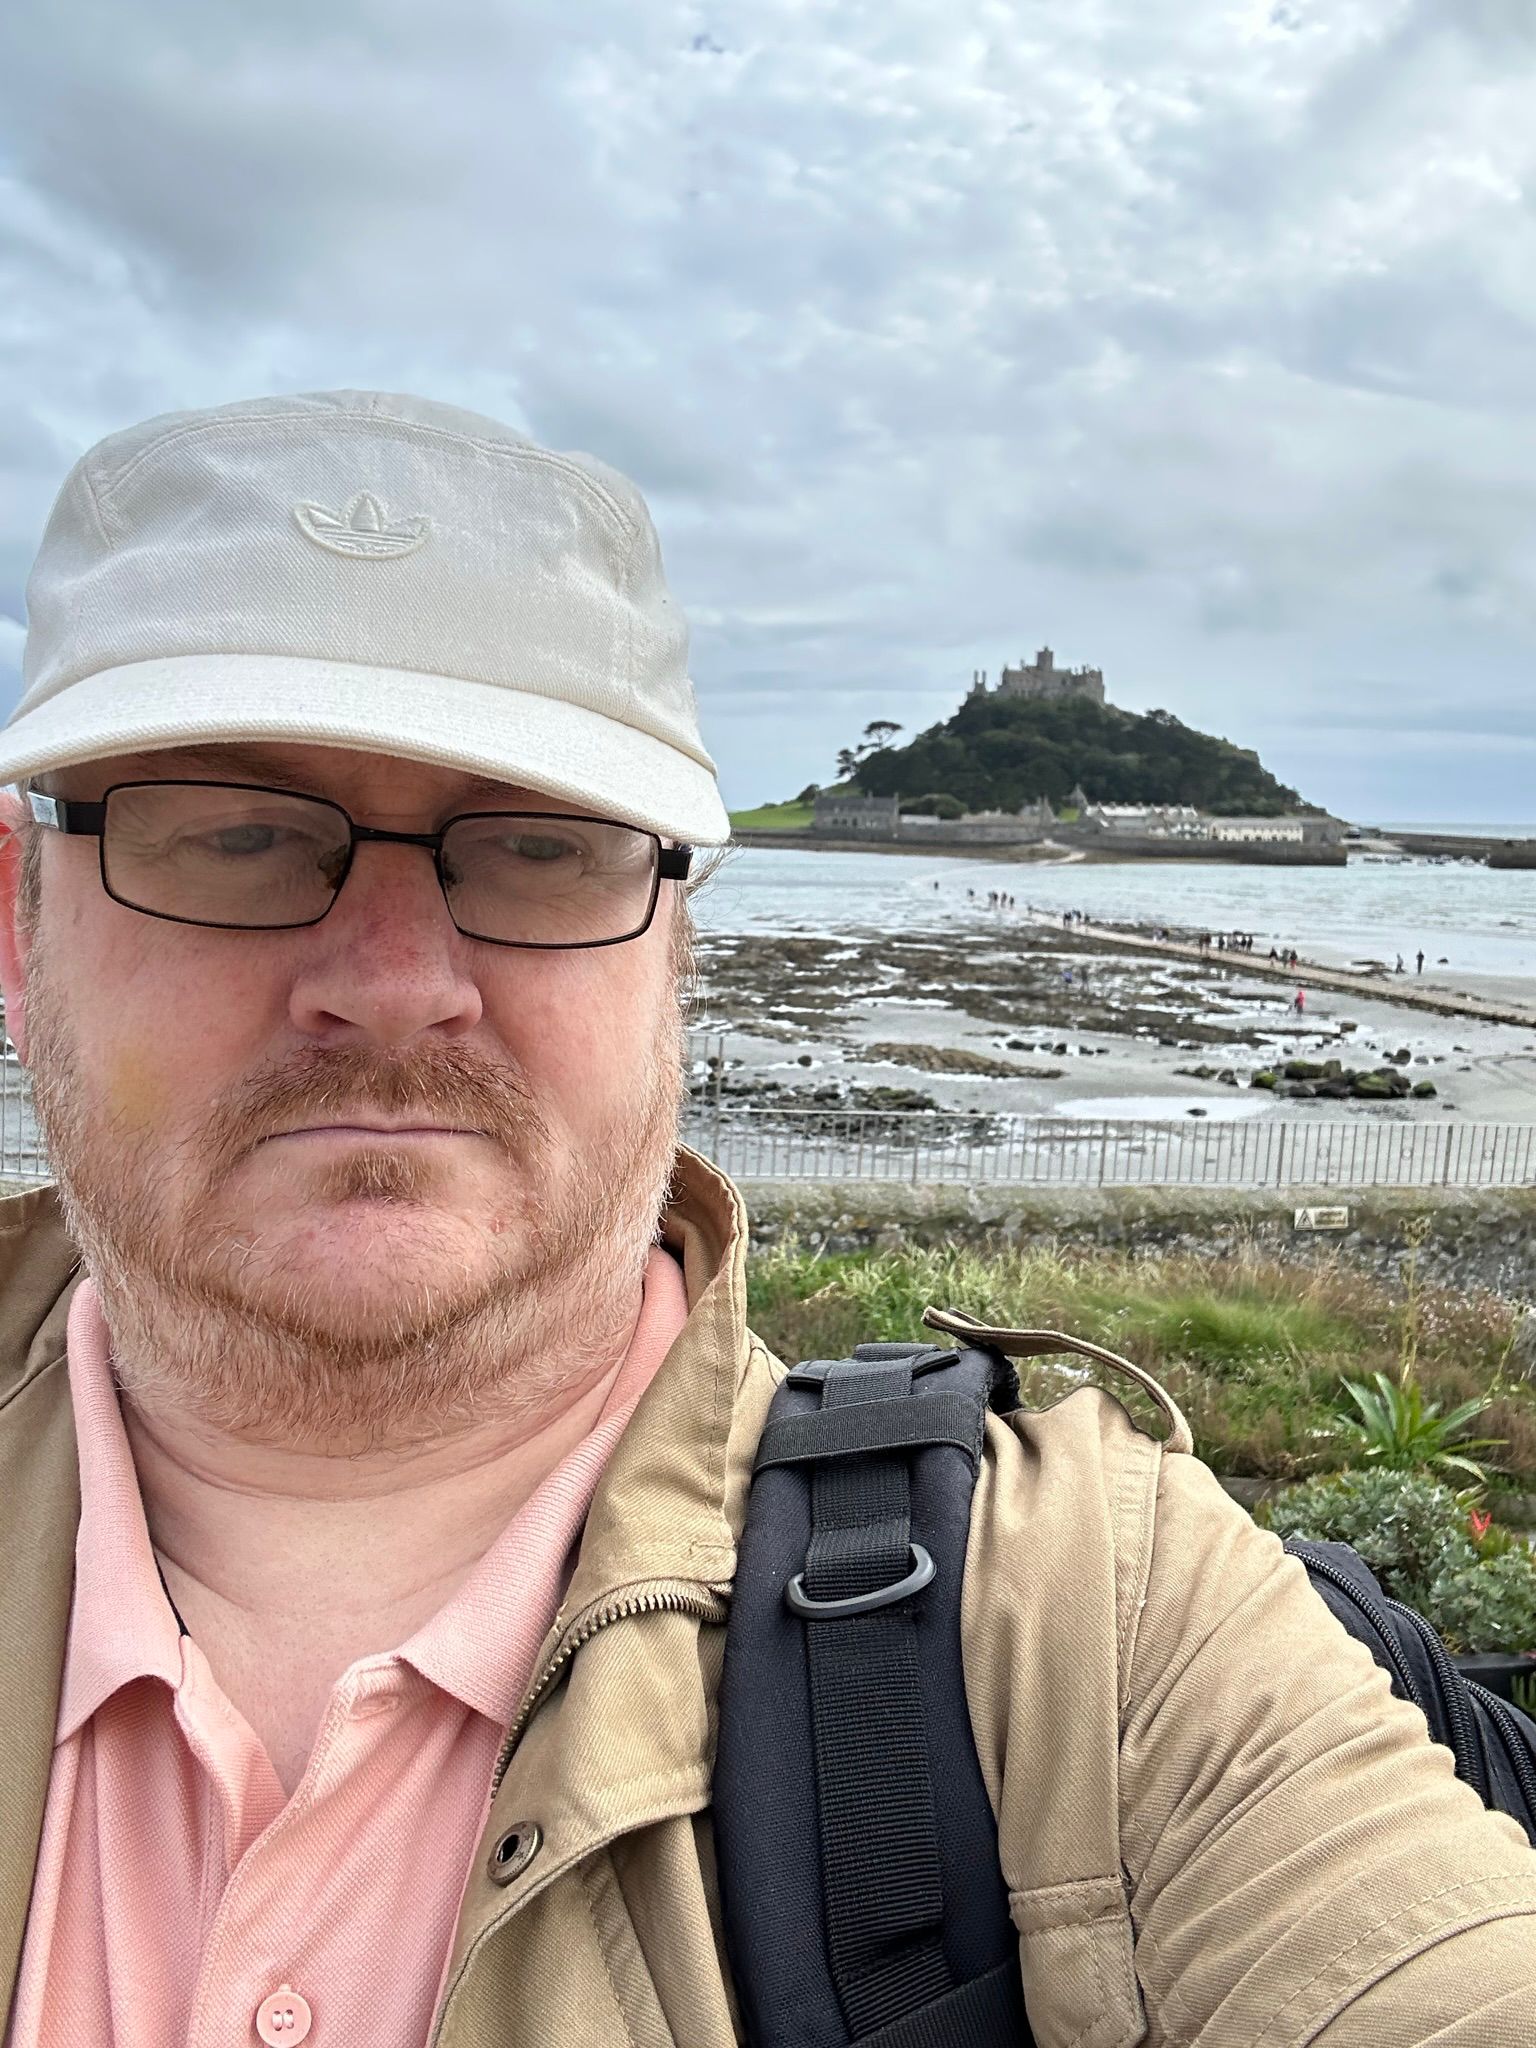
(244, 842)
(539, 849)
(235, 840)
(543, 849)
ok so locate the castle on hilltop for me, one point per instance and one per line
(1043, 681)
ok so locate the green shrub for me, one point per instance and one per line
(1263, 1426)
(1414, 1535)
(1407, 1528)
(1489, 1605)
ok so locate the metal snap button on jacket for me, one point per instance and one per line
(515, 1851)
(283, 2018)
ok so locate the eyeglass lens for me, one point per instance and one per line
(264, 859)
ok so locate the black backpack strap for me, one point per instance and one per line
(857, 1848)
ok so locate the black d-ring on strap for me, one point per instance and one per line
(799, 1601)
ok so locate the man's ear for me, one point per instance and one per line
(15, 942)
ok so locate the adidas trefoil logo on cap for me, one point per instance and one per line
(363, 529)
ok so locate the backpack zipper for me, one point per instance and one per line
(1466, 1736)
(1516, 1742)
(681, 1596)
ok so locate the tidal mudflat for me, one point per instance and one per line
(1007, 1015)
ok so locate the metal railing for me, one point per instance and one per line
(959, 1149)
(21, 1149)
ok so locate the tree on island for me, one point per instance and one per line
(937, 804)
(878, 735)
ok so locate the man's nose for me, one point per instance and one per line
(386, 963)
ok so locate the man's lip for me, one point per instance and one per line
(356, 1127)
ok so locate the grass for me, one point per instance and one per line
(790, 817)
(1254, 1349)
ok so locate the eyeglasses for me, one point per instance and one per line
(238, 857)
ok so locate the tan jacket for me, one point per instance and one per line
(1216, 1824)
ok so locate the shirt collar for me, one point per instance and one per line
(480, 1645)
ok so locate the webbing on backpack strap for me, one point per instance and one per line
(857, 1850)
(983, 2013)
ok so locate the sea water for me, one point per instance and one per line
(1479, 921)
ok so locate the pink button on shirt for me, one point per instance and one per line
(178, 1894)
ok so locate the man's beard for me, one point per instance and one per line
(206, 1321)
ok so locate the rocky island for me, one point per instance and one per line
(1043, 760)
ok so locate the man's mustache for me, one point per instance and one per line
(442, 1084)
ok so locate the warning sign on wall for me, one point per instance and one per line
(1322, 1219)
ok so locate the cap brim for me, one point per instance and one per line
(519, 736)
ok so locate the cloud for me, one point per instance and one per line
(1193, 340)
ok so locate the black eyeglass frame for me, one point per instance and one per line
(75, 818)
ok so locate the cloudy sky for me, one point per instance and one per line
(1193, 336)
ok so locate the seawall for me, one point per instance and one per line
(1029, 847)
(1484, 1237)
(1239, 853)
(1498, 853)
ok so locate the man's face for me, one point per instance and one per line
(363, 1134)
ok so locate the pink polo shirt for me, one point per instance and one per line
(179, 1896)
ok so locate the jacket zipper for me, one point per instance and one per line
(683, 1596)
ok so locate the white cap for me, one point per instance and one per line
(363, 570)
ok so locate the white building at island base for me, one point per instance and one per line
(1185, 821)
(983, 828)
(1146, 821)
(839, 812)
(1258, 831)
(841, 815)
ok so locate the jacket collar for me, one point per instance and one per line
(39, 1508)
(672, 1498)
